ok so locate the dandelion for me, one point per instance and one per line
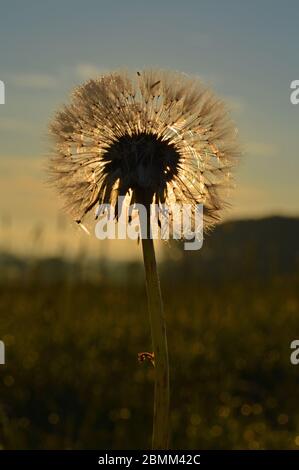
(151, 137)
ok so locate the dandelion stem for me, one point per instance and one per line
(158, 331)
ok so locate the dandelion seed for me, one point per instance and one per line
(84, 228)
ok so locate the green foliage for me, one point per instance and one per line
(72, 379)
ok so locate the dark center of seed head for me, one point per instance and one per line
(142, 162)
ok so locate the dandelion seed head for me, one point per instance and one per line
(153, 135)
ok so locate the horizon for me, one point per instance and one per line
(256, 89)
(123, 250)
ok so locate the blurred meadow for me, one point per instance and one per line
(73, 327)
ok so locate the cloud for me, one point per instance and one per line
(8, 124)
(35, 81)
(248, 200)
(261, 149)
(40, 81)
(85, 71)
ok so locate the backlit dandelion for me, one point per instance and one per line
(159, 132)
(151, 137)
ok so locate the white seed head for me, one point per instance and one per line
(155, 135)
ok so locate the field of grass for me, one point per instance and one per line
(72, 379)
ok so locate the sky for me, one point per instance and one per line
(246, 51)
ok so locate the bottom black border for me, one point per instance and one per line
(135, 459)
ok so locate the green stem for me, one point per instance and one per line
(158, 331)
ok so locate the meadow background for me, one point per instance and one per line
(73, 329)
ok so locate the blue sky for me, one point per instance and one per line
(247, 51)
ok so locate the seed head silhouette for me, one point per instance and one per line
(155, 135)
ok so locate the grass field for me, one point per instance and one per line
(72, 379)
